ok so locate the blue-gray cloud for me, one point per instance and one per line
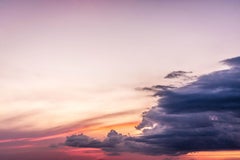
(177, 74)
(201, 116)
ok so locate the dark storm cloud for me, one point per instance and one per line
(218, 91)
(201, 116)
(233, 62)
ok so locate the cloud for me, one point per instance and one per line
(10, 135)
(232, 62)
(20, 117)
(113, 144)
(156, 88)
(177, 74)
(83, 141)
(201, 116)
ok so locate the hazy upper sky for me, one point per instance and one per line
(72, 66)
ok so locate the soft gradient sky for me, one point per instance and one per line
(73, 66)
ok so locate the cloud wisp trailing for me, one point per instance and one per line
(177, 74)
(201, 116)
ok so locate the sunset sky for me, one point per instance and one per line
(105, 79)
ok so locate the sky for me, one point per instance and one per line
(101, 80)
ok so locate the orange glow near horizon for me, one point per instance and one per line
(124, 128)
(215, 155)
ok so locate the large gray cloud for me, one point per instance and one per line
(201, 116)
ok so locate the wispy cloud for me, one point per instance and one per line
(90, 124)
(20, 117)
(177, 74)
